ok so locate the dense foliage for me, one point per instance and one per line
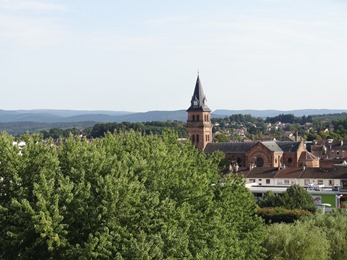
(295, 197)
(19, 128)
(282, 215)
(296, 241)
(124, 196)
(154, 127)
(320, 236)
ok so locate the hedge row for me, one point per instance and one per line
(281, 215)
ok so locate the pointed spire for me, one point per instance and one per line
(198, 101)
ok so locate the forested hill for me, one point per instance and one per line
(272, 113)
(68, 116)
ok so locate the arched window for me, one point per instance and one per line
(197, 138)
(197, 118)
(193, 138)
(259, 162)
(193, 117)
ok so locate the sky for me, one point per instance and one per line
(137, 56)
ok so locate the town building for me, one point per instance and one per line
(275, 165)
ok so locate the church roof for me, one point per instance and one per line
(198, 102)
(229, 147)
(272, 146)
(243, 147)
(288, 146)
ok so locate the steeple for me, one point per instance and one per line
(199, 125)
(198, 102)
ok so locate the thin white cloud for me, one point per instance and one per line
(31, 5)
(31, 32)
(31, 23)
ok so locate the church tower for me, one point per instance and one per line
(199, 125)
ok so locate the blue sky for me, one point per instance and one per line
(144, 55)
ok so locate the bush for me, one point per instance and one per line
(281, 215)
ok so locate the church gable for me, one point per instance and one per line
(266, 154)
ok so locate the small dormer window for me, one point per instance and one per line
(195, 103)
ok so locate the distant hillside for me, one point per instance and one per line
(70, 116)
(58, 116)
(272, 113)
(18, 128)
(20, 121)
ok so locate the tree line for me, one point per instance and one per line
(309, 127)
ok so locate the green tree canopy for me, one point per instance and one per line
(320, 236)
(124, 196)
(296, 241)
(296, 197)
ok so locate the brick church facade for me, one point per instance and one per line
(279, 154)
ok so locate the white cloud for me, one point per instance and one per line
(31, 5)
(31, 32)
(31, 23)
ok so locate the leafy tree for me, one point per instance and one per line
(269, 200)
(319, 236)
(296, 197)
(334, 224)
(296, 241)
(124, 196)
(220, 138)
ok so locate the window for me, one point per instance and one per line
(290, 160)
(320, 182)
(193, 117)
(286, 181)
(197, 138)
(197, 118)
(306, 182)
(331, 182)
(267, 181)
(193, 138)
(251, 180)
(259, 162)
